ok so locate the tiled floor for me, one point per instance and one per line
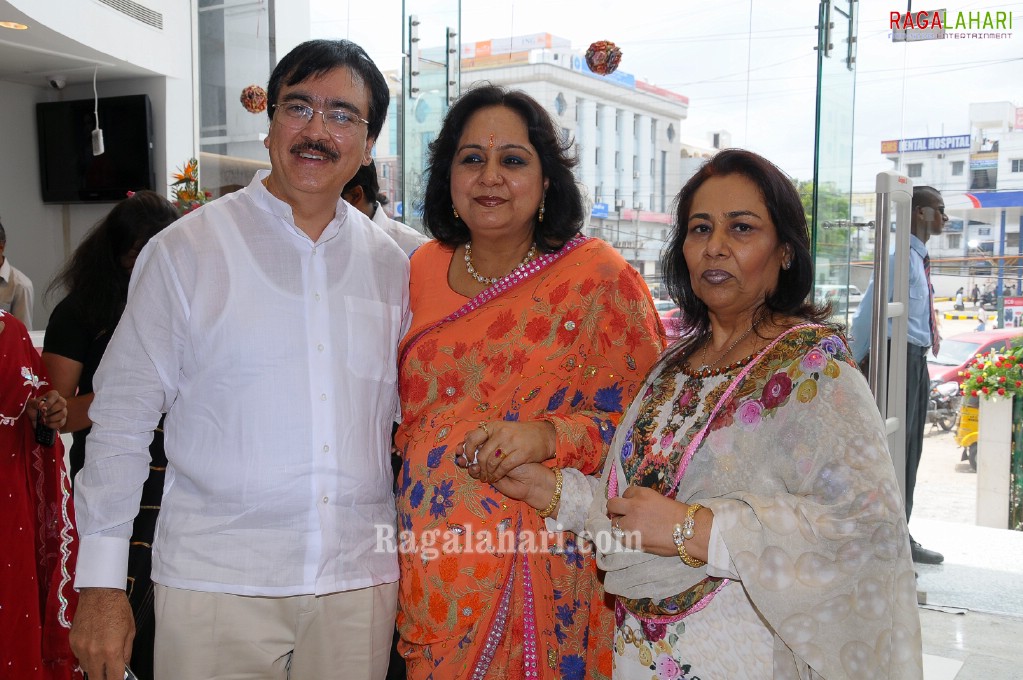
(973, 617)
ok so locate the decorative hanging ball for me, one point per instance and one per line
(603, 57)
(254, 99)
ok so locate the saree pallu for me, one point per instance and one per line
(485, 590)
(37, 533)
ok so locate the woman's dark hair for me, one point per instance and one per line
(315, 58)
(789, 298)
(96, 271)
(563, 204)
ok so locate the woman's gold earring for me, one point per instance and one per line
(539, 217)
(454, 211)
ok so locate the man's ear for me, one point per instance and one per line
(355, 195)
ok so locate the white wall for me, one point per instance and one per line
(39, 236)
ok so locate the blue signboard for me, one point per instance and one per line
(599, 210)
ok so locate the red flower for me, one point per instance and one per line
(776, 390)
(587, 286)
(415, 389)
(502, 324)
(1019, 383)
(985, 390)
(559, 293)
(538, 328)
(427, 351)
(568, 328)
(518, 361)
(459, 350)
(450, 387)
(1001, 391)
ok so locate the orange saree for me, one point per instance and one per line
(485, 590)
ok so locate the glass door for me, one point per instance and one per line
(838, 241)
(430, 82)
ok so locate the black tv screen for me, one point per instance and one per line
(70, 173)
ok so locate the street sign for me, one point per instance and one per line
(599, 210)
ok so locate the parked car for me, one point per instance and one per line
(672, 320)
(842, 297)
(959, 350)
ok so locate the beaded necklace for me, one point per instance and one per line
(725, 353)
(486, 280)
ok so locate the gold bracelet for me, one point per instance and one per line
(556, 498)
(685, 531)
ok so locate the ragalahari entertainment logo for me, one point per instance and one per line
(949, 24)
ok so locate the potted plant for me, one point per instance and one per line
(187, 194)
(996, 378)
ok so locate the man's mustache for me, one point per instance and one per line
(318, 148)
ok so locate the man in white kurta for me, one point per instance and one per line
(265, 325)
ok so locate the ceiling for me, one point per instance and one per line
(33, 56)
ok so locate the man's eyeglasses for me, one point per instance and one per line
(337, 121)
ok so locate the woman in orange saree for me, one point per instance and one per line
(535, 364)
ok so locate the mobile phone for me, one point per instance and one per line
(128, 675)
(45, 436)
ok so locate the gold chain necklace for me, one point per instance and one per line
(486, 280)
(726, 352)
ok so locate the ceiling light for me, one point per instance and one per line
(13, 24)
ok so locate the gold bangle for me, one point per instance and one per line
(556, 498)
(684, 531)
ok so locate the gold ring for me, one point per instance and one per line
(483, 426)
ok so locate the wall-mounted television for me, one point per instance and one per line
(70, 173)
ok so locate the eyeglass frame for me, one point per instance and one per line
(323, 115)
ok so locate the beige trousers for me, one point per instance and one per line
(213, 636)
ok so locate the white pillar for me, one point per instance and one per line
(626, 182)
(586, 136)
(608, 137)
(994, 449)
(644, 149)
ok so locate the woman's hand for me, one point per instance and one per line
(51, 406)
(499, 446)
(643, 512)
(531, 483)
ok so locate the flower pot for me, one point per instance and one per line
(994, 447)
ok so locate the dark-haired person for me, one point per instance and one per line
(265, 325)
(95, 280)
(928, 219)
(527, 341)
(362, 191)
(16, 290)
(749, 520)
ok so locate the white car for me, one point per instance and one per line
(842, 297)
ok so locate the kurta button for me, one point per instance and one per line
(325, 499)
(323, 397)
(326, 447)
(320, 347)
(316, 295)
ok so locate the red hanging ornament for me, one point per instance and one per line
(603, 57)
(254, 99)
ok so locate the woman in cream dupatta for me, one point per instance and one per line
(749, 520)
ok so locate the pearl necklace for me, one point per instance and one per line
(486, 280)
(726, 352)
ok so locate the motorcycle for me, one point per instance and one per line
(966, 432)
(943, 404)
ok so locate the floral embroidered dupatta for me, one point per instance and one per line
(37, 531)
(485, 590)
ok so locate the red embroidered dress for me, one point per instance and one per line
(485, 590)
(37, 535)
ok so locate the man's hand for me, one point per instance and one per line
(102, 633)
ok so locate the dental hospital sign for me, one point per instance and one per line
(949, 143)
